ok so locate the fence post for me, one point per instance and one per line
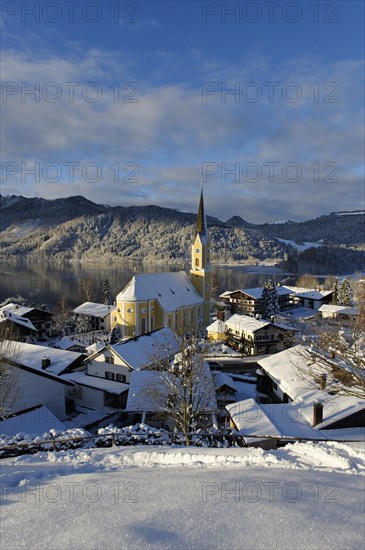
(113, 440)
(54, 447)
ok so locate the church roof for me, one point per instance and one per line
(201, 221)
(172, 290)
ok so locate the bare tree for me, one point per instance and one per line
(63, 320)
(87, 290)
(183, 390)
(337, 348)
(9, 354)
(307, 281)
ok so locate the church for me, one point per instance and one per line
(171, 299)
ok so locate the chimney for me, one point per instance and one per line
(323, 381)
(332, 354)
(45, 362)
(317, 413)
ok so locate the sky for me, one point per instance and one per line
(136, 103)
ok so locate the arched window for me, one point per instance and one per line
(143, 325)
(196, 262)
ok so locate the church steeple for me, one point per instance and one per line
(200, 259)
(201, 221)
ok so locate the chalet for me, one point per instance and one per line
(30, 321)
(310, 298)
(98, 316)
(248, 301)
(256, 336)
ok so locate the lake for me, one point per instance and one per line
(36, 284)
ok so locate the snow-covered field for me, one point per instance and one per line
(302, 496)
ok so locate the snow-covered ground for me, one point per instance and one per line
(301, 246)
(302, 496)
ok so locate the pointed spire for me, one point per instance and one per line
(201, 222)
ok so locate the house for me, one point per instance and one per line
(217, 330)
(310, 298)
(256, 336)
(30, 321)
(248, 301)
(173, 299)
(225, 388)
(38, 376)
(341, 313)
(151, 392)
(96, 393)
(98, 316)
(299, 378)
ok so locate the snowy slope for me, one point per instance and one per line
(302, 496)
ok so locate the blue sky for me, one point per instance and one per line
(132, 104)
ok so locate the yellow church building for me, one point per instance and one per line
(171, 299)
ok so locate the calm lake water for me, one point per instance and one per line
(38, 284)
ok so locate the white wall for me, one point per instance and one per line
(38, 390)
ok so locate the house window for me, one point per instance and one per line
(109, 375)
(120, 377)
(109, 359)
(275, 386)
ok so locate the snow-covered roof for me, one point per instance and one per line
(309, 293)
(249, 418)
(94, 309)
(221, 379)
(97, 383)
(31, 356)
(298, 313)
(149, 390)
(284, 419)
(245, 322)
(147, 349)
(290, 370)
(16, 308)
(172, 290)
(36, 420)
(21, 321)
(346, 310)
(256, 292)
(66, 343)
(218, 326)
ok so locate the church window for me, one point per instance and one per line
(197, 251)
(196, 262)
(143, 326)
(130, 310)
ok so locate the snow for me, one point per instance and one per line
(218, 326)
(94, 309)
(304, 496)
(221, 379)
(148, 348)
(31, 355)
(172, 290)
(300, 246)
(35, 421)
(96, 382)
(289, 369)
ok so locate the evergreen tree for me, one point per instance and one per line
(345, 294)
(335, 295)
(107, 295)
(269, 300)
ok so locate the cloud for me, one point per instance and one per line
(170, 132)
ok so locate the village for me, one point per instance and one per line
(271, 365)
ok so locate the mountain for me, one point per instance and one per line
(75, 228)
